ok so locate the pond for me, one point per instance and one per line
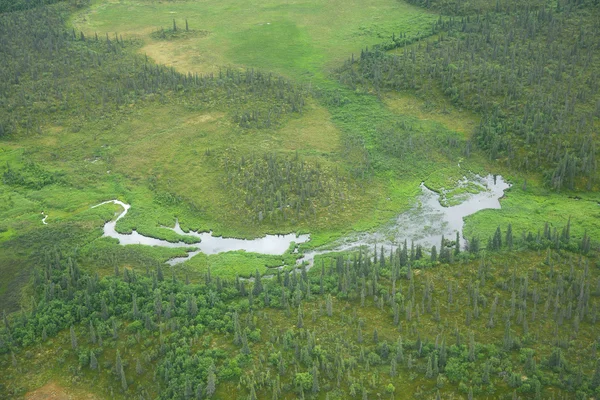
(428, 220)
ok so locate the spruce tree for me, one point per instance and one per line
(509, 237)
(457, 244)
(596, 378)
(73, 338)
(433, 254)
(329, 305)
(211, 381)
(300, 323)
(123, 379)
(315, 382)
(93, 360)
(92, 333)
(118, 363)
(258, 288)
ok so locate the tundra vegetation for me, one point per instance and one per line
(314, 117)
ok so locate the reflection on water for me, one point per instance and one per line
(209, 244)
(427, 221)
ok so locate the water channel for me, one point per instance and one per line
(427, 220)
(425, 224)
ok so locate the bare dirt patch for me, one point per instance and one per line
(184, 55)
(52, 391)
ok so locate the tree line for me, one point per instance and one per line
(50, 72)
(530, 73)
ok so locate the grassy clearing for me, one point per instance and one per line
(438, 109)
(527, 209)
(232, 264)
(292, 38)
(316, 41)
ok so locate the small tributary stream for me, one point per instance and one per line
(207, 244)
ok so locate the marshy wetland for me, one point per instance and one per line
(418, 179)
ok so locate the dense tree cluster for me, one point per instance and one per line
(532, 74)
(279, 187)
(480, 326)
(49, 72)
(31, 175)
(20, 5)
(466, 7)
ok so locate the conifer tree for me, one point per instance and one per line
(329, 305)
(93, 360)
(509, 237)
(457, 244)
(300, 323)
(73, 338)
(258, 288)
(118, 362)
(596, 378)
(315, 382)
(211, 381)
(92, 333)
(123, 379)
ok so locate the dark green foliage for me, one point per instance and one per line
(465, 7)
(48, 73)
(308, 358)
(73, 338)
(20, 5)
(93, 361)
(531, 74)
(31, 176)
(174, 33)
(276, 187)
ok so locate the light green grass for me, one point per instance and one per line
(527, 210)
(289, 37)
(238, 263)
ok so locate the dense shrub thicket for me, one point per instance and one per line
(466, 7)
(20, 5)
(278, 187)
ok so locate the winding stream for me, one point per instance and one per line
(209, 244)
(425, 224)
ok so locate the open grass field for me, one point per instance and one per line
(300, 39)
